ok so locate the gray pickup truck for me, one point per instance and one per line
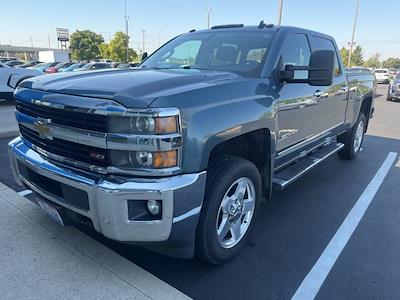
(179, 154)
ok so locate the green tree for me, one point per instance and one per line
(104, 50)
(392, 63)
(374, 61)
(117, 48)
(85, 44)
(345, 55)
(357, 57)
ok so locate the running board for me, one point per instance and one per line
(291, 173)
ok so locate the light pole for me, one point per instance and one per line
(144, 31)
(127, 36)
(354, 32)
(209, 11)
(280, 5)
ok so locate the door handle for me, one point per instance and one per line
(317, 93)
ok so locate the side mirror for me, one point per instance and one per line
(320, 70)
(144, 56)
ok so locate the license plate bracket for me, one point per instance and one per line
(51, 211)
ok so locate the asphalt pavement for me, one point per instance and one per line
(294, 229)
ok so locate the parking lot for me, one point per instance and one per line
(296, 226)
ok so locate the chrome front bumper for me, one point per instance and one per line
(108, 197)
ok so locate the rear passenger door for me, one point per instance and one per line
(333, 100)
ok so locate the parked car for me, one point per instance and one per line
(57, 67)
(10, 77)
(179, 154)
(29, 64)
(44, 66)
(127, 65)
(6, 59)
(94, 66)
(382, 75)
(394, 89)
(358, 70)
(72, 67)
(14, 63)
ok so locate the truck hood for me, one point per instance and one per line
(132, 88)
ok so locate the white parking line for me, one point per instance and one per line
(316, 277)
(25, 192)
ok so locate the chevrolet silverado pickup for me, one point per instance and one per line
(178, 154)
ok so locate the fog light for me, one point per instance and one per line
(154, 207)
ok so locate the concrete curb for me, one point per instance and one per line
(42, 259)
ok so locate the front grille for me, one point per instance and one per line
(87, 154)
(87, 121)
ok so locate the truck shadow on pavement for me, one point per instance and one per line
(292, 231)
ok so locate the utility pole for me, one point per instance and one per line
(354, 32)
(144, 31)
(280, 5)
(48, 38)
(209, 11)
(127, 35)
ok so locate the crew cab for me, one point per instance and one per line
(178, 154)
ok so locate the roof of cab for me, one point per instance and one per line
(268, 27)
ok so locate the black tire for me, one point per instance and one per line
(224, 171)
(348, 151)
(388, 98)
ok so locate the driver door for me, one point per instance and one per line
(298, 103)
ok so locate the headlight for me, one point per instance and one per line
(144, 160)
(144, 125)
(146, 142)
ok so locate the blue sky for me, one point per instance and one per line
(376, 32)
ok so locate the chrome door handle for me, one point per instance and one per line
(317, 94)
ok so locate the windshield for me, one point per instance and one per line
(241, 52)
(381, 71)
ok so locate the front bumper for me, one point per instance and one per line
(394, 94)
(108, 197)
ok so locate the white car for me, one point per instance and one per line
(382, 75)
(10, 77)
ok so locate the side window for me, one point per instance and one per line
(295, 51)
(325, 44)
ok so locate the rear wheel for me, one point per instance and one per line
(229, 208)
(353, 139)
(388, 98)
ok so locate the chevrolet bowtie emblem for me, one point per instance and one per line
(42, 127)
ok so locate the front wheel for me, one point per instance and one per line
(229, 208)
(353, 139)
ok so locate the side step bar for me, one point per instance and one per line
(291, 173)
